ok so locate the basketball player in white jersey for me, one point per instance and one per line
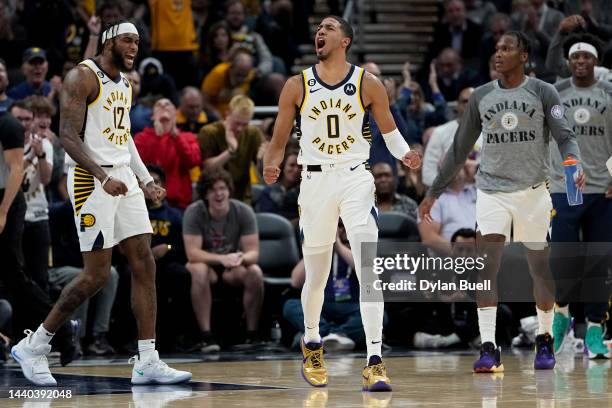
(330, 103)
(108, 202)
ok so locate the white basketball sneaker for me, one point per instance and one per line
(155, 371)
(33, 361)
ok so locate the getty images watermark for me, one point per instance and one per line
(407, 264)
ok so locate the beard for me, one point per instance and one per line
(118, 60)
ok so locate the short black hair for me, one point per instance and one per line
(585, 38)
(346, 28)
(3, 63)
(21, 104)
(521, 39)
(463, 233)
(157, 170)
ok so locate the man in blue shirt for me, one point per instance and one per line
(35, 67)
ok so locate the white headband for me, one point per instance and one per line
(118, 29)
(585, 47)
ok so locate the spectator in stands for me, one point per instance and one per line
(411, 102)
(173, 39)
(452, 76)
(454, 210)
(244, 37)
(379, 151)
(341, 327)
(190, 116)
(547, 18)
(5, 101)
(233, 145)
(275, 23)
(222, 243)
(597, 16)
(480, 11)
(38, 165)
(282, 197)
(140, 114)
(154, 82)
(34, 68)
(387, 197)
(267, 90)
(457, 32)
(526, 19)
(174, 151)
(12, 38)
(498, 25)
(442, 138)
(173, 280)
(217, 49)
(227, 80)
(67, 263)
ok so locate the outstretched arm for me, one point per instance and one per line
(79, 86)
(290, 98)
(375, 96)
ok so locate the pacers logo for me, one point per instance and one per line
(509, 121)
(87, 220)
(582, 116)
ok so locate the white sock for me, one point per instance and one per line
(592, 324)
(486, 323)
(373, 308)
(564, 310)
(146, 349)
(545, 320)
(41, 336)
(317, 263)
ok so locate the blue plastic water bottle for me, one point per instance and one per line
(574, 196)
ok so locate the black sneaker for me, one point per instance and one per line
(545, 354)
(490, 359)
(66, 341)
(208, 344)
(100, 346)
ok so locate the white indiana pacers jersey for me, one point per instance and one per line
(106, 130)
(332, 124)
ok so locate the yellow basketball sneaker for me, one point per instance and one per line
(313, 365)
(375, 376)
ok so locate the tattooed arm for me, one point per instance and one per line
(80, 86)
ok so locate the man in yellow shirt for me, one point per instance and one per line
(227, 80)
(174, 40)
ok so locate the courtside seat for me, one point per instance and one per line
(396, 226)
(278, 250)
(256, 190)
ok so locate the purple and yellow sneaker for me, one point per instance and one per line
(490, 359)
(545, 354)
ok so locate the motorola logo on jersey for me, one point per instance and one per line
(350, 89)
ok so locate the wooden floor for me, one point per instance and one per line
(419, 379)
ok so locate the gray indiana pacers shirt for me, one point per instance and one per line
(515, 125)
(589, 113)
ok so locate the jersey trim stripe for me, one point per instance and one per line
(99, 85)
(359, 88)
(339, 84)
(305, 95)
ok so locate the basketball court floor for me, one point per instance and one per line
(441, 379)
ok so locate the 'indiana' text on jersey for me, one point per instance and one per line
(332, 124)
(107, 123)
(506, 122)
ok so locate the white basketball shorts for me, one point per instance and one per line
(345, 191)
(102, 221)
(527, 211)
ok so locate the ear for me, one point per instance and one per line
(524, 57)
(346, 41)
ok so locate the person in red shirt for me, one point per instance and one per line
(176, 152)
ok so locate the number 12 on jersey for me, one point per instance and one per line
(118, 114)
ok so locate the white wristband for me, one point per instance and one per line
(396, 144)
(106, 180)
